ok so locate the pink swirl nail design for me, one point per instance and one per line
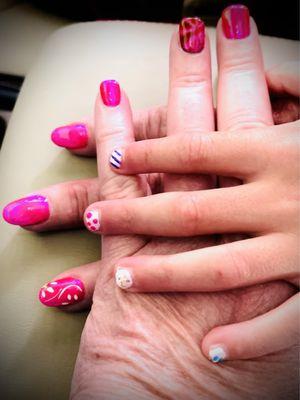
(62, 292)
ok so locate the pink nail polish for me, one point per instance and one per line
(192, 34)
(70, 136)
(236, 22)
(62, 292)
(27, 211)
(92, 220)
(110, 93)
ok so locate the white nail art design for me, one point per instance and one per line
(217, 354)
(123, 278)
(93, 220)
(116, 158)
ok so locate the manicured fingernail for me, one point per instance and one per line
(192, 34)
(217, 354)
(92, 220)
(110, 93)
(70, 136)
(123, 278)
(236, 22)
(116, 158)
(62, 292)
(27, 211)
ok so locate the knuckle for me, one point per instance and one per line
(196, 150)
(119, 187)
(110, 132)
(188, 210)
(79, 199)
(190, 80)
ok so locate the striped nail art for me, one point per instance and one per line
(116, 158)
(217, 354)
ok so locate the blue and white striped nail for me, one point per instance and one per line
(217, 354)
(116, 158)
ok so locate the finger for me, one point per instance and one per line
(228, 154)
(243, 98)
(114, 129)
(59, 206)
(79, 137)
(181, 213)
(242, 95)
(190, 106)
(284, 78)
(276, 330)
(227, 266)
(71, 290)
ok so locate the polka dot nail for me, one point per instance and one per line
(62, 292)
(92, 220)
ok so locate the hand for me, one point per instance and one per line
(127, 335)
(89, 273)
(256, 156)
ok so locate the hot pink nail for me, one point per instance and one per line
(27, 211)
(192, 34)
(70, 136)
(236, 22)
(62, 292)
(110, 93)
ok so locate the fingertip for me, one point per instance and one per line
(92, 219)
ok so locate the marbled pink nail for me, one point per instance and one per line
(70, 136)
(192, 34)
(110, 93)
(29, 210)
(62, 292)
(92, 220)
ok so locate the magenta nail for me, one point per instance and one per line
(70, 136)
(236, 22)
(62, 292)
(110, 93)
(29, 210)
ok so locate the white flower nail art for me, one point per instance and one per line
(123, 278)
(217, 354)
(93, 220)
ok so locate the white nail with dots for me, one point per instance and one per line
(123, 278)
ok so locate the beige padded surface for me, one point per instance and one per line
(38, 345)
(23, 31)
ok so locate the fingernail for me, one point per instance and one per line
(123, 278)
(70, 136)
(236, 22)
(110, 93)
(116, 158)
(92, 220)
(27, 211)
(217, 354)
(62, 292)
(192, 34)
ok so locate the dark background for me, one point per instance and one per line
(274, 18)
